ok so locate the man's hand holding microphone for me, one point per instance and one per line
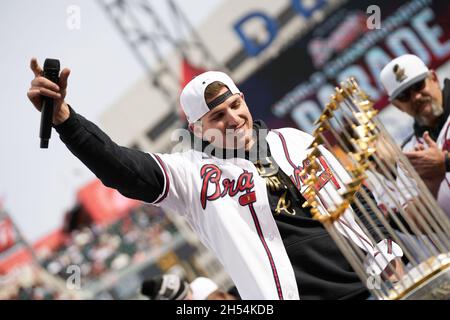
(43, 88)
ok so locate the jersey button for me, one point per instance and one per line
(271, 236)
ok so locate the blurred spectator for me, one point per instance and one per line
(172, 287)
(166, 287)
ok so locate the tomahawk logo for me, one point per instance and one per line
(399, 72)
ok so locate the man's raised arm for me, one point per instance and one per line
(133, 173)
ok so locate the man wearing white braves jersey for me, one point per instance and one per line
(415, 89)
(240, 189)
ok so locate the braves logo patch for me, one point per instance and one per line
(323, 176)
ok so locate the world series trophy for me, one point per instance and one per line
(398, 242)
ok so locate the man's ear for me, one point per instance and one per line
(434, 76)
(196, 129)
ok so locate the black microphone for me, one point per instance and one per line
(51, 72)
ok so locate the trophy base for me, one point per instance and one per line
(428, 281)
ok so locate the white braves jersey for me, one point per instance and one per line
(388, 199)
(443, 141)
(386, 192)
(225, 201)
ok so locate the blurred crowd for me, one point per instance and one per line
(95, 251)
(31, 283)
(39, 290)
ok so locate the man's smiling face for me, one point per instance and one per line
(228, 125)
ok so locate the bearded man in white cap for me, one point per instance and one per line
(240, 188)
(415, 89)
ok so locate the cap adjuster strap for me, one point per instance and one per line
(220, 99)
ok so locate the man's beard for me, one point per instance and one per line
(436, 110)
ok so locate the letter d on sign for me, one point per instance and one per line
(252, 46)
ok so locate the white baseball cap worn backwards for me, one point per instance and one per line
(192, 97)
(401, 73)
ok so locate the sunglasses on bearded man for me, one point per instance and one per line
(405, 95)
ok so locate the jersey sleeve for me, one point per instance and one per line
(177, 186)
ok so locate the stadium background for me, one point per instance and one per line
(286, 56)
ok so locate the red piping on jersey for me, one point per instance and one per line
(269, 254)
(286, 152)
(166, 177)
(356, 232)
